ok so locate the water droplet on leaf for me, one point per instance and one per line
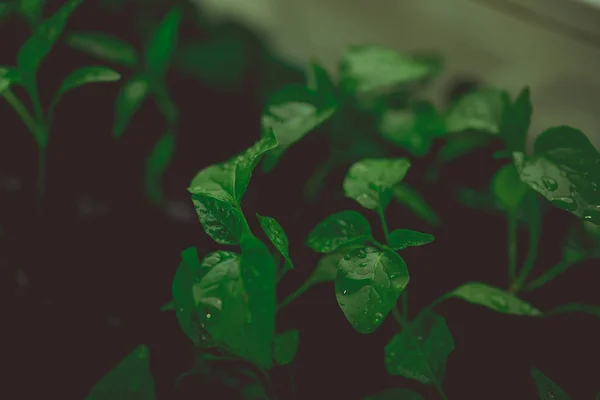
(566, 203)
(550, 183)
(499, 302)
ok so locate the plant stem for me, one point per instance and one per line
(384, 226)
(294, 295)
(23, 113)
(534, 239)
(401, 320)
(512, 247)
(440, 390)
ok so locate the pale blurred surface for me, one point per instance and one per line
(492, 40)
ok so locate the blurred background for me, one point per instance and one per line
(551, 45)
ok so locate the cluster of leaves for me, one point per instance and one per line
(226, 301)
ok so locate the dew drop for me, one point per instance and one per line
(347, 256)
(363, 264)
(361, 254)
(592, 215)
(550, 183)
(208, 315)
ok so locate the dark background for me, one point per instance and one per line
(84, 278)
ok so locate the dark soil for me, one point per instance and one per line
(84, 278)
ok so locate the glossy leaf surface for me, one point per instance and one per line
(337, 230)
(421, 349)
(565, 169)
(368, 284)
(400, 239)
(495, 299)
(277, 236)
(370, 181)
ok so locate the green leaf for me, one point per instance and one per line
(368, 284)
(400, 239)
(83, 76)
(156, 164)
(228, 180)
(547, 389)
(421, 349)
(495, 299)
(366, 68)
(337, 230)
(594, 311)
(318, 79)
(130, 379)
(105, 47)
(170, 306)
(291, 113)
(7, 77)
(482, 110)
(258, 272)
(395, 394)
(161, 46)
(516, 122)
(219, 62)
(224, 223)
(128, 101)
(370, 181)
(412, 129)
(277, 236)
(508, 188)
(565, 169)
(409, 197)
(32, 10)
(462, 143)
(285, 346)
(39, 44)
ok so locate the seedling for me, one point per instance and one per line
(29, 59)
(225, 301)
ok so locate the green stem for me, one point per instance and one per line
(401, 320)
(23, 113)
(439, 389)
(294, 295)
(512, 247)
(384, 226)
(534, 240)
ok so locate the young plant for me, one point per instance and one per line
(149, 75)
(29, 59)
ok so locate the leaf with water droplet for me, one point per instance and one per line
(508, 188)
(495, 299)
(565, 170)
(547, 389)
(277, 236)
(516, 121)
(337, 230)
(285, 346)
(366, 294)
(221, 221)
(291, 113)
(409, 197)
(327, 267)
(130, 379)
(482, 110)
(395, 394)
(370, 181)
(400, 239)
(365, 69)
(258, 273)
(228, 181)
(423, 359)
